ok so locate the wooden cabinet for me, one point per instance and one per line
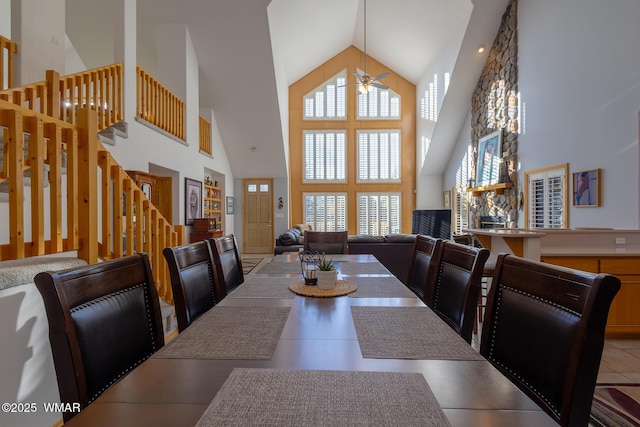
(213, 208)
(157, 189)
(624, 316)
(203, 229)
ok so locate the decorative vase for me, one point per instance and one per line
(327, 279)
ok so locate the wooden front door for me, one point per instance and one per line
(257, 216)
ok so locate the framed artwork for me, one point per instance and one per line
(489, 153)
(586, 188)
(447, 199)
(192, 200)
(230, 205)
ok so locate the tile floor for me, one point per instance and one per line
(620, 361)
(620, 358)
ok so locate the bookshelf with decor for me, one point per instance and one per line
(213, 208)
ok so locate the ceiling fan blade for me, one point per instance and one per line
(349, 84)
(379, 85)
(381, 76)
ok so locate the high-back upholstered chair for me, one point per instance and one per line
(227, 261)
(104, 320)
(544, 329)
(424, 250)
(328, 242)
(452, 288)
(193, 282)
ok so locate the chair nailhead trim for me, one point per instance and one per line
(154, 344)
(501, 288)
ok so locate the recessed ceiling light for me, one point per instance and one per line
(481, 48)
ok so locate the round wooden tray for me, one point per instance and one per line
(343, 287)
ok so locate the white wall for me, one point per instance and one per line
(429, 185)
(39, 29)
(5, 18)
(579, 81)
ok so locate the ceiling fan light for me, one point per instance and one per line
(363, 88)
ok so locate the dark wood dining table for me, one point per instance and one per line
(318, 334)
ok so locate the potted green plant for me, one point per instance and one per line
(326, 273)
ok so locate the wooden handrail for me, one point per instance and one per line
(94, 182)
(158, 106)
(8, 49)
(205, 136)
(99, 89)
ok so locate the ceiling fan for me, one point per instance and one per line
(364, 81)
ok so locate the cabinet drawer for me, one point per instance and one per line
(620, 265)
(579, 263)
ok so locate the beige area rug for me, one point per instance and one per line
(249, 264)
(281, 397)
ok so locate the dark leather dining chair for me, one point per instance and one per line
(544, 329)
(104, 320)
(424, 250)
(227, 261)
(487, 274)
(193, 282)
(453, 286)
(328, 242)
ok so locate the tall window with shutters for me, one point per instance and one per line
(325, 156)
(326, 211)
(379, 156)
(547, 197)
(379, 213)
(327, 102)
(460, 204)
(378, 104)
(343, 144)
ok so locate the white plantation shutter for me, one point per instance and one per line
(325, 211)
(547, 199)
(379, 156)
(327, 101)
(460, 204)
(324, 156)
(378, 213)
(378, 104)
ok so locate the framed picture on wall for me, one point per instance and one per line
(586, 188)
(447, 199)
(192, 200)
(488, 164)
(230, 207)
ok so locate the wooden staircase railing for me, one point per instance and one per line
(205, 136)
(96, 202)
(99, 89)
(158, 106)
(8, 49)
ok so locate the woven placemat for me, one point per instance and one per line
(408, 333)
(283, 397)
(343, 287)
(229, 333)
(364, 268)
(380, 287)
(263, 287)
(280, 268)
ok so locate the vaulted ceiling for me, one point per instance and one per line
(249, 50)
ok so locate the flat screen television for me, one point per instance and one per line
(432, 222)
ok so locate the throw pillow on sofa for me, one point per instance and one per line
(288, 238)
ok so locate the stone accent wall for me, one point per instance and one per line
(494, 106)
